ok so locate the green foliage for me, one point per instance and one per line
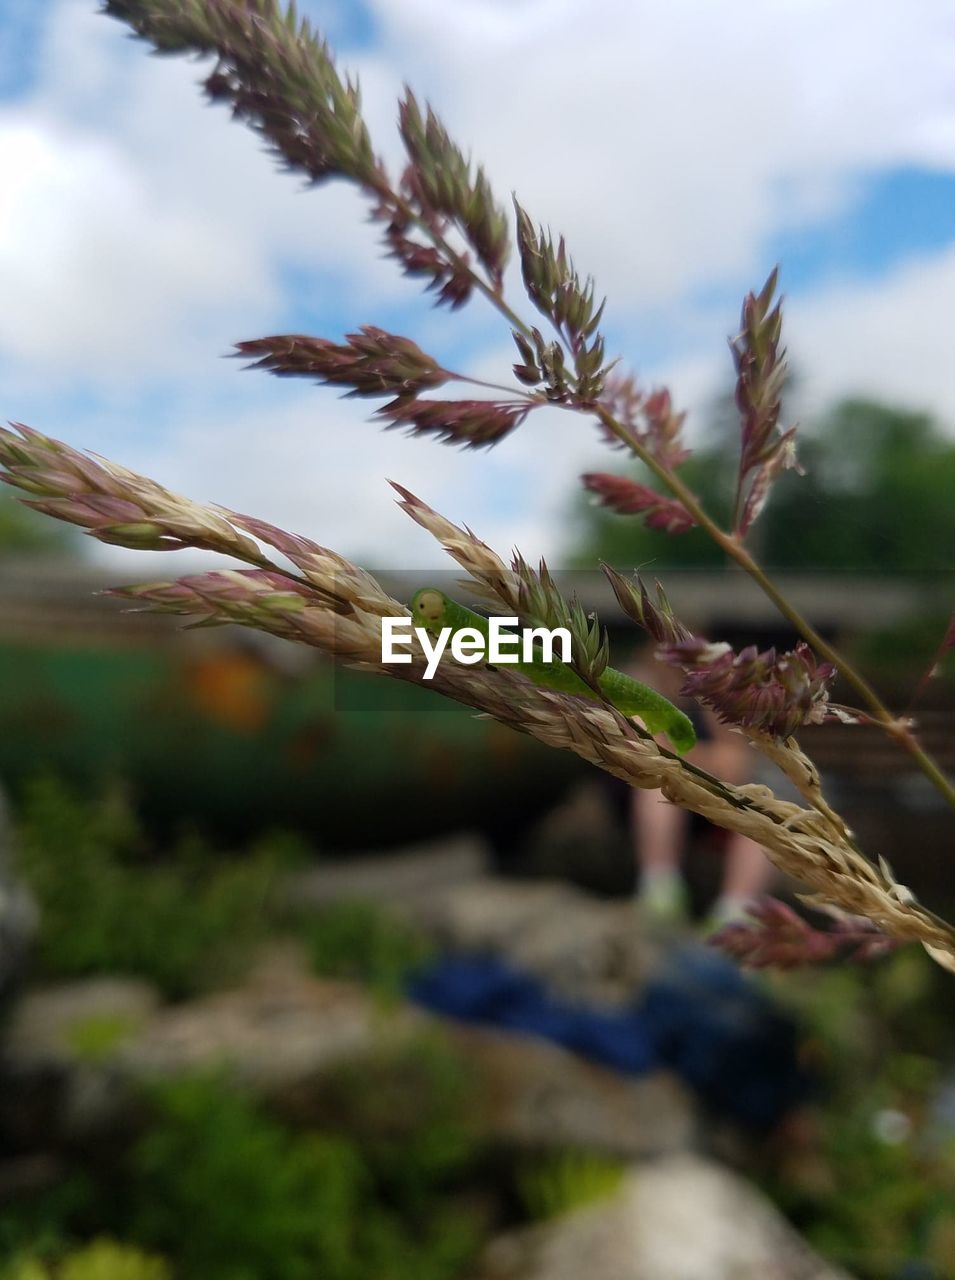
(105, 908)
(884, 1192)
(264, 1205)
(226, 1192)
(876, 1190)
(876, 497)
(103, 1259)
(359, 941)
(412, 1110)
(625, 542)
(906, 646)
(369, 1197)
(231, 1195)
(95, 1037)
(26, 532)
(38, 1225)
(558, 1183)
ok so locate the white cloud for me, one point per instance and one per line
(143, 232)
(98, 273)
(890, 339)
(669, 141)
(316, 465)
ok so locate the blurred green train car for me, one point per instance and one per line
(230, 733)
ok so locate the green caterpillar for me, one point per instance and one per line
(433, 610)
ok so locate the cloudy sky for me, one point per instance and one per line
(683, 148)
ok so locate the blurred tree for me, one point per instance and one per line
(23, 531)
(877, 495)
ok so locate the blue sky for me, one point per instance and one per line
(683, 148)
(895, 214)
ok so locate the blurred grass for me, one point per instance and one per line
(870, 1180)
(96, 1037)
(223, 1191)
(396, 1159)
(361, 942)
(185, 922)
(556, 1183)
(103, 1259)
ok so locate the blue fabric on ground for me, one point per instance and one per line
(699, 1017)
(725, 1038)
(484, 989)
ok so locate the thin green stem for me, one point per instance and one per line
(493, 296)
(519, 392)
(728, 542)
(732, 546)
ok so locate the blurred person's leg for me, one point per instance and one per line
(659, 829)
(747, 876)
(747, 872)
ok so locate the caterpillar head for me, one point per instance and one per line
(427, 608)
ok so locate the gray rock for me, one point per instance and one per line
(681, 1218)
(89, 1019)
(18, 914)
(283, 1031)
(398, 876)
(585, 948)
(60, 1057)
(79, 1050)
(76, 1054)
(280, 1028)
(538, 1095)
